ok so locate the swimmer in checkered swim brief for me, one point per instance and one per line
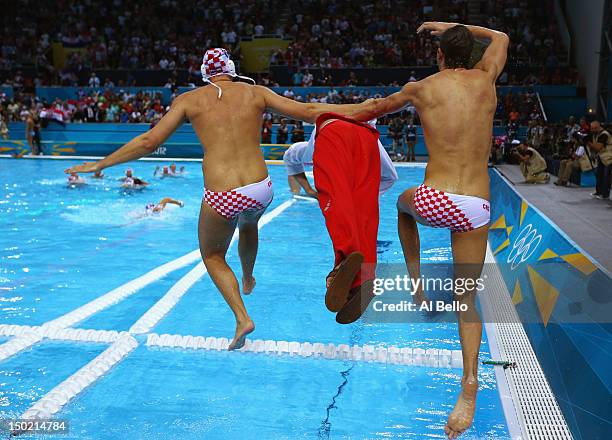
(456, 107)
(249, 198)
(456, 212)
(226, 115)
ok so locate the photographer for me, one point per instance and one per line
(282, 132)
(579, 160)
(533, 165)
(411, 140)
(601, 144)
(396, 129)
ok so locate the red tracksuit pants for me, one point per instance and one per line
(346, 166)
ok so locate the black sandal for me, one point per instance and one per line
(358, 301)
(342, 277)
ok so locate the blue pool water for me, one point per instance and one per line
(61, 248)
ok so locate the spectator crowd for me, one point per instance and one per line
(104, 106)
(171, 35)
(336, 34)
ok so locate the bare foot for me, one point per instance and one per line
(462, 415)
(242, 330)
(248, 285)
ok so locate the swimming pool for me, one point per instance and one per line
(64, 247)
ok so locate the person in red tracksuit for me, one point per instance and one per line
(348, 160)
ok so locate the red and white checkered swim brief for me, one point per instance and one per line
(230, 204)
(456, 212)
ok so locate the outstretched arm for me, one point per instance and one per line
(494, 58)
(163, 202)
(141, 145)
(375, 108)
(307, 112)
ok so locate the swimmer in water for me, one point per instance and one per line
(164, 172)
(133, 183)
(75, 179)
(237, 188)
(98, 175)
(131, 179)
(455, 193)
(168, 171)
(152, 208)
(174, 172)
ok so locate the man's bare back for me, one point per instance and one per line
(456, 108)
(229, 131)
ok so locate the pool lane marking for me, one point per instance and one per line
(120, 293)
(108, 299)
(62, 334)
(167, 302)
(14, 346)
(153, 315)
(367, 353)
(305, 198)
(58, 397)
(441, 358)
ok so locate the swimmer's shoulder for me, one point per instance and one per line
(421, 90)
(196, 101)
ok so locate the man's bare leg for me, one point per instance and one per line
(215, 234)
(409, 237)
(469, 250)
(248, 243)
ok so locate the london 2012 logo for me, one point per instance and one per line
(524, 246)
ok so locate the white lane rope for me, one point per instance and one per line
(108, 299)
(431, 357)
(54, 400)
(123, 291)
(15, 345)
(161, 308)
(61, 334)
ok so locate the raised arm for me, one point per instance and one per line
(494, 58)
(143, 144)
(375, 108)
(307, 112)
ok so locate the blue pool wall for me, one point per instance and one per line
(562, 297)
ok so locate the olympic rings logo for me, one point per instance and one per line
(524, 246)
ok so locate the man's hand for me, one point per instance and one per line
(437, 28)
(86, 167)
(312, 193)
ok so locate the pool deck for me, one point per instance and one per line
(584, 219)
